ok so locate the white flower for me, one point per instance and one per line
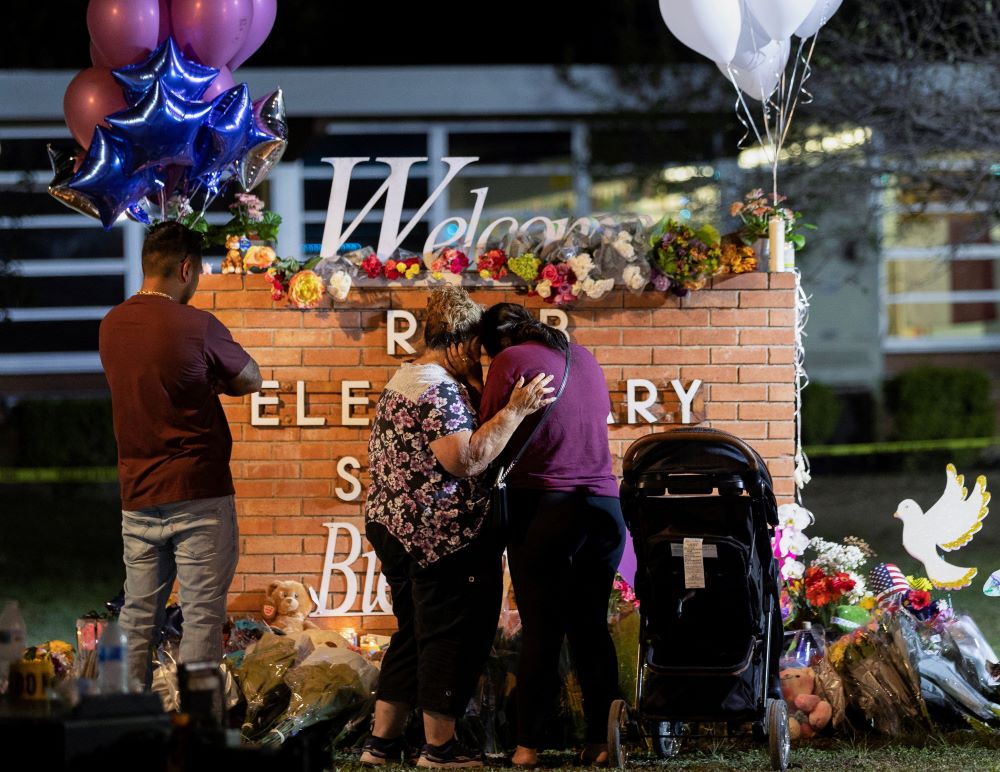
(792, 569)
(581, 265)
(596, 288)
(633, 278)
(623, 245)
(792, 542)
(855, 595)
(340, 285)
(794, 516)
(544, 288)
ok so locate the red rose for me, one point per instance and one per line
(550, 273)
(918, 599)
(372, 266)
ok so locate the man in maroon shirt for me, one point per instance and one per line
(166, 362)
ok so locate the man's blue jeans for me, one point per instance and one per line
(195, 542)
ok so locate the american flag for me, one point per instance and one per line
(887, 580)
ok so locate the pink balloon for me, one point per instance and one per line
(91, 95)
(211, 32)
(164, 31)
(223, 82)
(264, 12)
(97, 58)
(124, 31)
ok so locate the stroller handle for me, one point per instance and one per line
(641, 446)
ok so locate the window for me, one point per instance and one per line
(942, 280)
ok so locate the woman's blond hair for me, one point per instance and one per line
(452, 317)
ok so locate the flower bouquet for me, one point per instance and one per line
(262, 678)
(250, 220)
(621, 250)
(330, 683)
(830, 590)
(491, 265)
(880, 680)
(687, 257)
(757, 208)
(303, 286)
(448, 261)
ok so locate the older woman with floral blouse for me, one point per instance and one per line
(424, 517)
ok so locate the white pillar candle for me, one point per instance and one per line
(776, 243)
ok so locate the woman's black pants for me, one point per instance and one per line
(563, 550)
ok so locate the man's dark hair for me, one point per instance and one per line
(165, 247)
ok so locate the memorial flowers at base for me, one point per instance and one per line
(560, 265)
(688, 257)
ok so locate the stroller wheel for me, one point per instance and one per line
(617, 732)
(667, 741)
(778, 740)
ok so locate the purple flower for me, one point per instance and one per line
(661, 282)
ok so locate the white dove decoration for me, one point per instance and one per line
(949, 524)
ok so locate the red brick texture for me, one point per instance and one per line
(735, 335)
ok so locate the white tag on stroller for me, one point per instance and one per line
(694, 564)
(707, 551)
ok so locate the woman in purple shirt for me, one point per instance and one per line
(566, 532)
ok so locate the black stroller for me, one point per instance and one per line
(698, 503)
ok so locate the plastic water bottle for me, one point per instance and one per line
(112, 659)
(11, 640)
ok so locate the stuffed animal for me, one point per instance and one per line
(808, 713)
(233, 261)
(287, 607)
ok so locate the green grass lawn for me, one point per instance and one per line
(60, 553)
(958, 752)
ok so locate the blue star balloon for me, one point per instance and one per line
(186, 78)
(228, 131)
(160, 129)
(105, 180)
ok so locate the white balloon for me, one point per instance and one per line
(760, 80)
(710, 27)
(752, 39)
(819, 16)
(779, 17)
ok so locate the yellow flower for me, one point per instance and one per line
(484, 274)
(412, 271)
(867, 602)
(920, 583)
(437, 275)
(305, 290)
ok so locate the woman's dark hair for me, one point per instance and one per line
(166, 246)
(508, 324)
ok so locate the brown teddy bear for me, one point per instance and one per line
(808, 713)
(233, 261)
(287, 607)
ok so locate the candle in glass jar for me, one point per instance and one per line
(776, 243)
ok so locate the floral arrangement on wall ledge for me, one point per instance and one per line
(624, 251)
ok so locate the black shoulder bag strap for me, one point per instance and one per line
(506, 469)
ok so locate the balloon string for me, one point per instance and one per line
(805, 74)
(741, 102)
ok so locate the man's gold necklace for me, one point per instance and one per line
(154, 292)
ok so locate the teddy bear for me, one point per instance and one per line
(808, 713)
(288, 606)
(233, 261)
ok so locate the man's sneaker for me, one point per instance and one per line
(451, 755)
(377, 751)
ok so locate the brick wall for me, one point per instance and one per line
(737, 336)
